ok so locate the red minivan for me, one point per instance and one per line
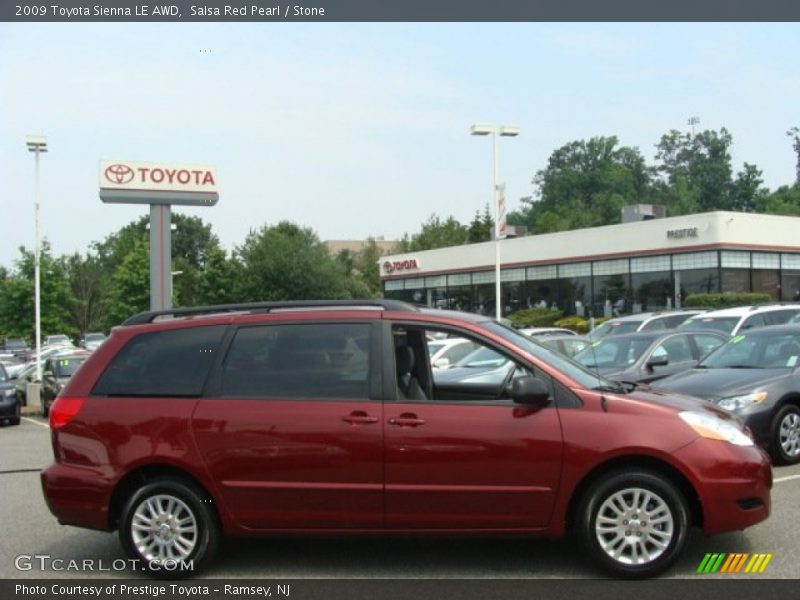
(327, 418)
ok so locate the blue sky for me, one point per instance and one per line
(362, 129)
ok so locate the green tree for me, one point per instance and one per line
(17, 311)
(86, 282)
(218, 280)
(436, 233)
(794, 134)
(481, 227)
(130, 290)
(586, 183)
(287, 262)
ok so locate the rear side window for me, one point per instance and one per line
(330, 360)
(779, 317)
(163, 363)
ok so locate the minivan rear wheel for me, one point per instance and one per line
(633, 523)
(168, 525)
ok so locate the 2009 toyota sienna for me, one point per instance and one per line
(325, 418)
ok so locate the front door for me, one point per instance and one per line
(293, 439)
(460, 455)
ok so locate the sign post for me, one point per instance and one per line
(159, 185)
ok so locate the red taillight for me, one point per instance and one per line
(64, 410)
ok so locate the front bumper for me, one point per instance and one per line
(733, 483)
(8, 406)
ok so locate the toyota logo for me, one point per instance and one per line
(119, 174)
(388, 267)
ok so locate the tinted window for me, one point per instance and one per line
(757, 351)
(330, 360)
(676, 349)
(66, 367)
(754, 321)
(674, 320)
(724, 324)
(706, 343)
(163, 363)
(779, 317)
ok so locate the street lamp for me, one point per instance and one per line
(37, 144)
(505, 131)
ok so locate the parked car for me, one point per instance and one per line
(56, 373)
(10, 410)
(568, 345)
(648, 321)
(14, 346)
(649, 355)
(92, 341)
(14, 365)
(754, 375)
(58, 340)
(741, 318)
(537, 331)
(446, 351)
(24, 377)
(237, 419)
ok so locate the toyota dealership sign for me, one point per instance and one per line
(127, 182)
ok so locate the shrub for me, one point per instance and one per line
(574, 323)
(535, 317)
(725, 299)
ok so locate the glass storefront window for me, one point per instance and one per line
(652, 291)
(790, 285)
(542, 293)
(767, 281)
(736, 280)
(697, 281)
(611, 295)
(511, 294)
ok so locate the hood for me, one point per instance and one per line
(646, 395)
(719, 383)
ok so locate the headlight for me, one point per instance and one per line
(8, 393)
(742, 402)
(714, 428)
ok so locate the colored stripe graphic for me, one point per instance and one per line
(721, 562)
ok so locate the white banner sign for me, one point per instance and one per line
(157, 177)
(502, 227)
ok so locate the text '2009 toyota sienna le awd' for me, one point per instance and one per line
(326, 418)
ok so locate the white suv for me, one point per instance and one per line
(740, 318)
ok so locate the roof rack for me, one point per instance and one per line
(152, 315)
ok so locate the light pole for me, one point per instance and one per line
(37, 144)
(692, 122)
(505, 131)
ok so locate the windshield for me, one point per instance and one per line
(771, 351)
(558, 361)
(95, 337)
(612, 352)
(724, 324)
(483, 357)
(613, 328)
(57, 339)
(65, 367)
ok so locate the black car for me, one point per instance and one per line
(648, 356)
(56, 373)
(9, 405)
(755, 375)
(14, 346)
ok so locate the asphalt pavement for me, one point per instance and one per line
(29, 529)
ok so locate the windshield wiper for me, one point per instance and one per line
(617, 389)
(741, 367)
(630, 385)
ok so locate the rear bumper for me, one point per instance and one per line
(733, 483)
(78, 495)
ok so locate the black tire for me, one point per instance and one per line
(207, 529)
(780, 455)
(665, 496)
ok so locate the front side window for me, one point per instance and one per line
(317, 360)
(676, 349)
(173, 362)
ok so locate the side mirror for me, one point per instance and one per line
(530, 391)
(658, 361)
(441, 363)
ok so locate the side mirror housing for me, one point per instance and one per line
(657, 361)
(530, 391)
(441, 363)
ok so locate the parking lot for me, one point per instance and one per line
(30, 529)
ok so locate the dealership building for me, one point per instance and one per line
(635, 266)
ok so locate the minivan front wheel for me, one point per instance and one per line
(169, 527)
(633, 523)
